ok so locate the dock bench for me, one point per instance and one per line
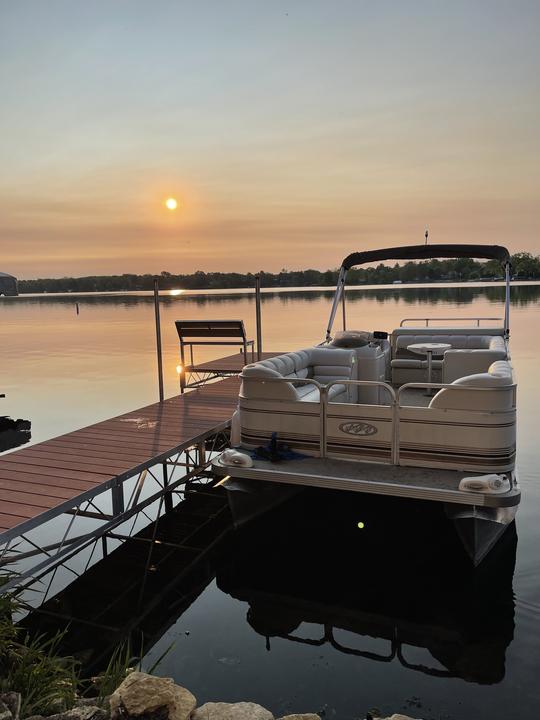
(209, 332)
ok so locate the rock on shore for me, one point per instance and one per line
(231, 711)
(146, 697)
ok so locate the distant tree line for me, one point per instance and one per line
(525, 266)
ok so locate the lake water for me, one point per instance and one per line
(303, 612)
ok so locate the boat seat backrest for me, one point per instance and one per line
(329, 365)
(499, 375)
(320, 364)
(403, 331)
(460, 362)
(458, 342)
(473, 351)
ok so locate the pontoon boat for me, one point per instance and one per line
(425, 411)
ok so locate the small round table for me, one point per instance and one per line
(429, 349)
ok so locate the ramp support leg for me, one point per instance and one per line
(118, 499)
(168, 501)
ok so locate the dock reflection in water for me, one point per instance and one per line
(141, 588)
(402, 578)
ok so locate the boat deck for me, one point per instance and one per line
(376, 478)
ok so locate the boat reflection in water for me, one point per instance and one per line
(365, 567)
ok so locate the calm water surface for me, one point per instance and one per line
(303, 613)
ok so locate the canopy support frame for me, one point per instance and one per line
(507, 301)
(421, 252)
(340, 288)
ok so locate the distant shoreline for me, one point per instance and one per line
(171, 293)
(525, 266)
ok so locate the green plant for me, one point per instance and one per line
(32, 667)
(47, 681)
(8, 630)
(160, 659)
(122, 662)
(120, 665)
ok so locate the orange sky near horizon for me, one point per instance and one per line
(290, 133)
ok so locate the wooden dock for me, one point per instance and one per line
(55, 475)
(230, 365)
(172, 442)
(67, 473)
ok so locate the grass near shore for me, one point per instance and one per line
(47, 681)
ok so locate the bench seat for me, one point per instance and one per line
(321, 365)
(473, 351)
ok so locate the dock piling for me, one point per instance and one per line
(258, 314)
(158, 339)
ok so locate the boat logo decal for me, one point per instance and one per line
(358, 428)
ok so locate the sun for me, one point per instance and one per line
(171, 203)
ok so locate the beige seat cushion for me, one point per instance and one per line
(459, 340)
(337, 393)
(499, 375)
(409, 363)
(323, 365)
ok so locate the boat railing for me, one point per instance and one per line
(394, 402)
(396, 405)
(324, 400)
(426, 320)
(440, 386)
(323, 397)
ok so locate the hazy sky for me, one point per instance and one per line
(290, 132)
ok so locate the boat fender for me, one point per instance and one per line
(233, 457)
(491, 484)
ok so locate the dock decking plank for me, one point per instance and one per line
(53, 481)
(43, 458)
(35, 489)
(83, 450)
(149, 437)
(99, 447)
(20, 509)
(74, 474)
(33, 499)
(62, 471)
(7, 522)
(146, 433)
(54, 463)
(230, 364)
(152, 447)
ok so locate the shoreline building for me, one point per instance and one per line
(8, 284)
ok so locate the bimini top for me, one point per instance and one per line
(425, 252)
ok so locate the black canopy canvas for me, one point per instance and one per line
(423, 252)
(426, 252)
